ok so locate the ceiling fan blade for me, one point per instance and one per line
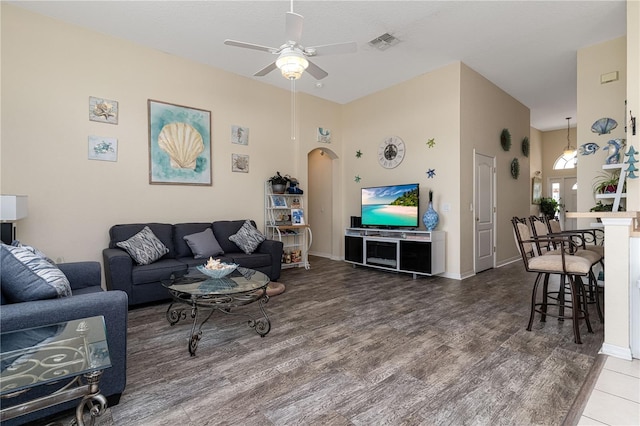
(316, 72)
(250, 46)
(332, 49)
(266, 70)
(293, 30)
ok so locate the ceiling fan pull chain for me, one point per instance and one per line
(293, 109)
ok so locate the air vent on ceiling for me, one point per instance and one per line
(384, 41)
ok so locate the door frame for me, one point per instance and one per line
(495, 208)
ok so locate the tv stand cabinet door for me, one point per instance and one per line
(353, 249)
(415, 256)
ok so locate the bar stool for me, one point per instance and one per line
(564, 262)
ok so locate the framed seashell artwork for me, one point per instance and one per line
(179, 144)
(103, 110)
(240, 163)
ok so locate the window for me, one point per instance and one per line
(566, 161)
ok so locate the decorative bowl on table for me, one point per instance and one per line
(221, 272)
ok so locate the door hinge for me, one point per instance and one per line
(494, 249)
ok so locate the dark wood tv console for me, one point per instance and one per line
(415, 252)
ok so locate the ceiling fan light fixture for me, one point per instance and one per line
(292, 64)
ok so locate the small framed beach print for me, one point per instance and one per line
(324, 135)
(102, 148)
(103, 110)
(278, 201)
(239, 163)
(240, 135)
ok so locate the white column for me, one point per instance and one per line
(617, 286)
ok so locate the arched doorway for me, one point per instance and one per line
(320, 200)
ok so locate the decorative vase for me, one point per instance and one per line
(430, 217)
(278, 188)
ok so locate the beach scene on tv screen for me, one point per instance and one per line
(390, 206)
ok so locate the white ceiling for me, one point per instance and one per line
(527, 48)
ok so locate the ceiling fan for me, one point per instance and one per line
(292, 56)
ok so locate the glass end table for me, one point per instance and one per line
(70, 356)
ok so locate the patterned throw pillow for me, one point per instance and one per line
(144, 247)
(247, 238)
(203, 244)
(27, 276)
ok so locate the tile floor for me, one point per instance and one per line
(615, 399)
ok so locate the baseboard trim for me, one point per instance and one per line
(616, 351)
(577, 408)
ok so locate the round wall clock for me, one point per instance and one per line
(391, 152)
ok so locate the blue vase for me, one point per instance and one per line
(430, 218)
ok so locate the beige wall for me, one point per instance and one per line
(553, 144)
(485, 111)
(423, 108)
(633, 95)
(46, 84)
(596, 100)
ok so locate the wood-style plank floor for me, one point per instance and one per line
(358, 346)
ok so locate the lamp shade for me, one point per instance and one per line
(292, 64)
(13, 207)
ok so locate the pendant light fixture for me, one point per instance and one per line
(569, 151)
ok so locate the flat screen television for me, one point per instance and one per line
(390, 206)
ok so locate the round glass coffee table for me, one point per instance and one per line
(196, 291)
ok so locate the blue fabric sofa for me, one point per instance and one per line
(88, 299)
(143, 282)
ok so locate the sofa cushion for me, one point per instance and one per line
(180, 230)
(144, 247)
(248, 238)
(203, 244)
(27, 276)
(158, 271)
(252, 261)
(163, 231)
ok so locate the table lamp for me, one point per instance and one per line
(12, 209)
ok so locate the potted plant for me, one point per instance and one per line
(599, 207)
(606, 182)
(278, 183)
(549, 207)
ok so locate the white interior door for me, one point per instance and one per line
(484, 210)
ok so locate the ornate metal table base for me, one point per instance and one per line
(262, 326)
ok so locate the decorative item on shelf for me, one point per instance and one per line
(599, 207)
(431, 173)
(631, 162)
(505, 139)
(430, 217)
(515, 168)
(525, 146)
(431, 142)
(588, 148)
(293, 186)
(278, 183)
(549, 207)
(615, 147)
(604, 126)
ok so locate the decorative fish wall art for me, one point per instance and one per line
(588, 148)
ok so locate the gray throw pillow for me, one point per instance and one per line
(247, 238)
(27, 276)
(203, 244)
(144, 247)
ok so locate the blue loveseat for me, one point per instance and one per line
(88, 299)
(143, 283)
